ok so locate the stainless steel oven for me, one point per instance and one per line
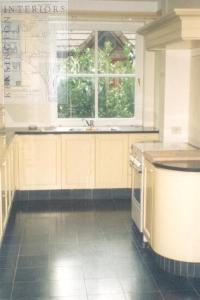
(136, 190)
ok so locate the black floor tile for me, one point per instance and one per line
(31, 274)
(60, 205)
(81, 194)
(122, 194)
(181, 295)
(11, 239)
(144, 296)
(30, 289)
(82, 205)
(103, 286)
(122, 204)
(67, 288)
(102, 194)
(80, 248)
(19, 206)
(37, 261)
(38, 206)
(107, 297)
(168, 282)
(21, 195)
(7, 275)
(5, 290)
(138, 284)
(35, 238)
(104, 204)
(8, 261)
(98, 269)
(9, 250)
(196, 284)
(34, 249)
(39, 195)
(60, 195)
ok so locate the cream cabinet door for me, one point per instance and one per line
(8, 179)
(148, 200)
(12, 177)
(1, 216)
(39, 162)
(78, 161)
(111, 160)
(3, 195)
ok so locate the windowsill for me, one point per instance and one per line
(99, 122)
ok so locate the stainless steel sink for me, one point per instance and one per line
(62, 129)
(106, 128)
(78, 129)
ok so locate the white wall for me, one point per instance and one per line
(148, 88)
(194, 119)
(172, 94)
(159, 86)
(177, 88)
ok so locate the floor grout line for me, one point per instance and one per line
(15, 271)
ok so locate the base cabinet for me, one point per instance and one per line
(111, 161)
(4, 194)
(78, 161)
(39, 162)
(7, 187)
(74, 161)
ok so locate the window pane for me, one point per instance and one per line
(116, 52)
(75, 52)
(76, 98)
(116, 97)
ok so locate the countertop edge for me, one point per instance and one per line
(164, 165)
(29, 132)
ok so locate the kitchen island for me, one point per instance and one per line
(172, 213)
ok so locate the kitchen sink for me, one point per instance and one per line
(78, 129)
(62, 129)
(106, 128)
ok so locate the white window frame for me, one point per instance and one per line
(112, 26)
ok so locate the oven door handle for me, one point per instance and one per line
(132, 165)
(138, 170)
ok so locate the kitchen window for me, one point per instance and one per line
(96, 75)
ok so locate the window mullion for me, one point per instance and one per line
(96, 73)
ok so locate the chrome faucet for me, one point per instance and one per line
(90, 123)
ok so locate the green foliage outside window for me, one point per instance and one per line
(76, 95)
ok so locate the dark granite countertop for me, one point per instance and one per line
(85, 130)
(185, 166)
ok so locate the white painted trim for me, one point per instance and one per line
(106, 25)
(113, 6)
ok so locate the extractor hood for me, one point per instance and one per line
(181, 29)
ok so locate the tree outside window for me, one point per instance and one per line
(96, 75)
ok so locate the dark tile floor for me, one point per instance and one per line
(81, 250)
